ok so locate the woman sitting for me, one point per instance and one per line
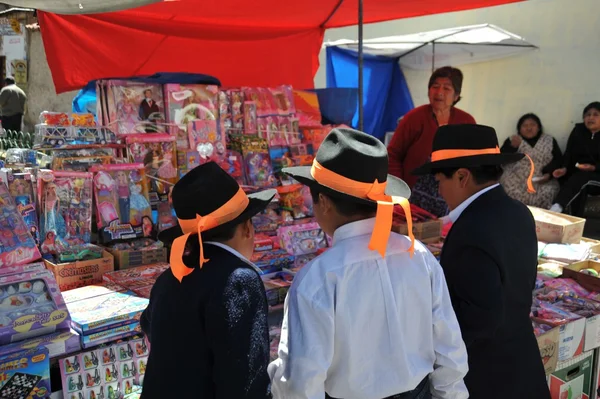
(411, 144)
(546, 156)
(581, 161)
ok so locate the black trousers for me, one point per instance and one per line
(420, 392)
(12, 122)
(572, 186)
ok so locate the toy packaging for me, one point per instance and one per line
(58, 344)
(187, 103)
(111, 335)
(255, 152)
(17, 246)
(139, 107)
(302, 239)
(91, 291)
(225, 115)
(207, 140)
(277, 286)
(268, 220)
(296, 201)
(25, 374)
(233, 164)
(123, 210)
(30, 305)
(272, 261)
(148, 271)
(21, 189)
(32, 267)
(158, 154)
(109, 372)
(236, 100)
(65, 200)
(187, 160)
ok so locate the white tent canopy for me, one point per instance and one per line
(454, 46)
(80, 6)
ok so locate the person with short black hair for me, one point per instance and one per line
(12, 105)
(489, 258)
(369, 318)
(207, 316)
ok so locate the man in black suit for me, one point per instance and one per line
(490, 262)
(148, 107)
(207, 317)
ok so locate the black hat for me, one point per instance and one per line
(465, 146)
(356, 156)
(205, 189)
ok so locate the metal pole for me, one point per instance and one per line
(433, 58)
(360, 65)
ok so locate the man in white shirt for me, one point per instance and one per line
(371, 317)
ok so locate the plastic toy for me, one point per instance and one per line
(139, 107)
(302, 239)
(20, 186)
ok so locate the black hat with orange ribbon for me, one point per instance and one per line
(468, 146)
(207, 197)
(353, 166)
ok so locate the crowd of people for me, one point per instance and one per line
(561, 181)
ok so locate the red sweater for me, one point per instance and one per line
(411, 145)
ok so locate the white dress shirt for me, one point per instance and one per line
(359, 326)
(456, 212)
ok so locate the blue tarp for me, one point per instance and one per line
(386, 94)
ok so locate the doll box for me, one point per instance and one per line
(558, 228)
(126, 259)
(57, 344)
(302, 239)
(30, 305)
(148, 271)
(81, 273)
(25, 374)
(572, 378)
(106, 311)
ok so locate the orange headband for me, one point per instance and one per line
(374, 191)
(226, 213)
(442, 155)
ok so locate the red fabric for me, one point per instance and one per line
(410, 146)
(252, 43)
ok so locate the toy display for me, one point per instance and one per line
(158, 155)
(65, 200)
(30, 305)
(257, 162)
(21, 189)
(296, 202)
(25, 374)
(122, 206)
(272, 261)
(302, 239)
(17, 246)
(139, 107)
(207, 140)
(149, 271)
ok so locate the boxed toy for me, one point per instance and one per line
(302, 239)
(32, 267)
(82, 272)
(91, 291)
(122, 206)
(139, 107)
(21, 188)
(25, 374)
(17, 246)
(57, 344)
(30, 305)
(128, 258)
(148, 271)
(110, 335)
(272, 261)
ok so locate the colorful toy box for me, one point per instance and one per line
(91, 291)
(30, 305)
(143, 272)
(17, 246)
(272, 261)
(277, 286)
(302, 239)
(82, 272)
(57, 344)
(32, 267)
(138, 107)
(25, 374)
(110, 335)
(21, 188)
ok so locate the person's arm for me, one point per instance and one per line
(306, 345)
(4, 97)
(238, 335)
(402, 139)
(478, 295)
(557, 159)
(569, 157)
(507, 147)
(451, 361)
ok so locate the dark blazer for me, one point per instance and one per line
(146, 109)
(208, 335)
(490, 262)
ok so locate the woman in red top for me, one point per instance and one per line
(411, 145)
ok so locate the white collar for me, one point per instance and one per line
(353, 229)
(456, 212)
(233, 252)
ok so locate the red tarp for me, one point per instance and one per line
(241, 42)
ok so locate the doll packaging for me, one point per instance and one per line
(139, 107)
(123, 210)
(159, 155)
(257, 163)
(21, 188)
(205, 138)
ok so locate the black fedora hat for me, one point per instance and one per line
(465, 146)
(205, 189)
(356, 156)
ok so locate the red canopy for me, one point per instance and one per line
(243, 43)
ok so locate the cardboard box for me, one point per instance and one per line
(548, 344)
(573, 378)
(125, 259)
(81, 273)
(593, 244)
(571, 340)
(552, 227)
(421, 230)
(588, 282)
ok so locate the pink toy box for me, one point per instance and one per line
(57, 344)
(17, 246)
(139, 107)
(302, 239)
(207, 140)
(32, 267)
(30, 305)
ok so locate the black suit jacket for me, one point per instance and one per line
(208, 334)
(490, 262)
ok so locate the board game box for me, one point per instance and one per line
(25, 374)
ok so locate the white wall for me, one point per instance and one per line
(555, 82)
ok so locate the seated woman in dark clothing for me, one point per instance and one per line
(546, 156)
(581, 162)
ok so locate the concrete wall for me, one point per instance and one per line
(556, 82)
(41, 93)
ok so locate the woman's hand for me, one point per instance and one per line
(558, 173)
(586, 167)
(515, 141)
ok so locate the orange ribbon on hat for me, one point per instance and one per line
(442, 155)
(226, 213)
(373, 191)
